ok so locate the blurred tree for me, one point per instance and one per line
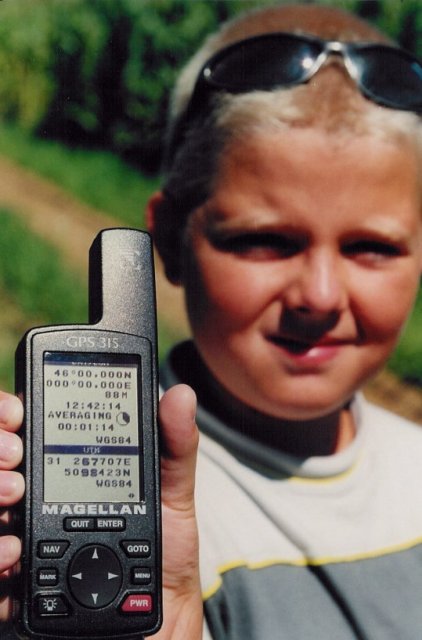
(98, 72)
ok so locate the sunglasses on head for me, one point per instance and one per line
(384, 74)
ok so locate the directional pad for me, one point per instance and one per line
(95, 576)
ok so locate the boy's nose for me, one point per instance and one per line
(319, 285)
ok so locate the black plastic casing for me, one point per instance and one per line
(122, 326)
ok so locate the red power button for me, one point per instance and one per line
(137, 603)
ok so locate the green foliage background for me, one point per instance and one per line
(98, 72)
(85, 81)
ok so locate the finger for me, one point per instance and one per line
(10, 551)
(12, 488)
(11, 412)
(179, 445)
(180, 535)
(10, 450)
(5, 607)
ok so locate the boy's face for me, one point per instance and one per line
(303, 268)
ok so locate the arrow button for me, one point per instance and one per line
(95, 576)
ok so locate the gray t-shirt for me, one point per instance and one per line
(311, 549)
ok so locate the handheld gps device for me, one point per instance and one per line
(91, 562)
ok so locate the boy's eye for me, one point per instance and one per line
(258, 246)
(374, 249)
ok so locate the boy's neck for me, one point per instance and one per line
(317, 437)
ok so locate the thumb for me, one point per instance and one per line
(179, 442)
(181, 584)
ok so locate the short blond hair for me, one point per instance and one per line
(329, 101)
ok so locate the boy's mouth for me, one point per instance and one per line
(296, 347)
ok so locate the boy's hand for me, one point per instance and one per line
(182, 594)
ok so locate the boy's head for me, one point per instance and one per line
(292, 219)
(202, 125)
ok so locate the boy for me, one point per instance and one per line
(291, 215)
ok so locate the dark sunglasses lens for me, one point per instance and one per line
(390, 77)
(263, 63)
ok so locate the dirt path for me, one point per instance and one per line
(71, 227)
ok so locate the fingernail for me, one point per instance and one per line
(9, 446)
(10, 548)
(9, 484)
(9, 408)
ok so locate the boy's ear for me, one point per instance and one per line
(162, 224)
(153, 204)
